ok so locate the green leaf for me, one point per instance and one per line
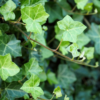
(94, 34)
(73, 48)
(89, 7)
(89, 52)
(12, 91)
(31, 86)
(7, 67)
(82, 40)
(51, 77)
(38, 37)
(32, 2)
(9, 44)
(81, 3)
(96, 3)
(1, 33)
(4, 27)
(32, 67)
(57, 92)
(70, 29)
(46, 53)
(34, 17)
(66, 98)
(26, 96)
(65, 76)
(6, 10)
(54, 11)
(63, 47)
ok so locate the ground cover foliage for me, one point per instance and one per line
(49, 49)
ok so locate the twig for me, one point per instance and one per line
(87, 22)
(65, 57)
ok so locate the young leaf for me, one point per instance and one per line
(94, 34)
(81, 3)
(32, 67)
(73, 48)
(66, 98)
(71, 29)
(6, 10)
(51, 78)
(82, 40)
(89, 52)
(63, 47)
(65, 76)
(9, 44)
(34, 17)
(57, 92)
(89, 7)
(31, 86)
(7, 67)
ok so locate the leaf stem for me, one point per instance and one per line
(58, 53)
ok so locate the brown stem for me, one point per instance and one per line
(59, 45)
(58, 53)
(87, 22)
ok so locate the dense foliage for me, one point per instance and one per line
(49, 50)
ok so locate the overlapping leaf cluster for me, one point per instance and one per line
(30, 70)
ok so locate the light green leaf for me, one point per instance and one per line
(32, 2)
(81, 3)
(26, 96)
(66, 98)
(46, 53)
(65, 76)
(51, 77)
(94, 34)
(38, 37)
(73, 48)
(57, 92)
(89, 52)
(54, 11)
(63, 47)
(34, 17)
(6, 10)
(31, 86)
(89, 7)
(70, 28)
(9, 44)
(7, 67)
(82, 40)
(32, 67)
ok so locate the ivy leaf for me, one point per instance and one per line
(51, 77)
(94, 34)
(7, 67)
(66, 98)
(57, 92)
(89, 7)
(63, 47)
(65, 76)
(9, 44)
(73, 48)
(71, 29)
(32, 2)
(31, 86)
(81, 3)
(34, 17)
(6, 10)
(46, 53)
(13, 91)
(82, 40)
(89, 52)
(4, 27)
(32, 67)
(96, 3)
(54, 11)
